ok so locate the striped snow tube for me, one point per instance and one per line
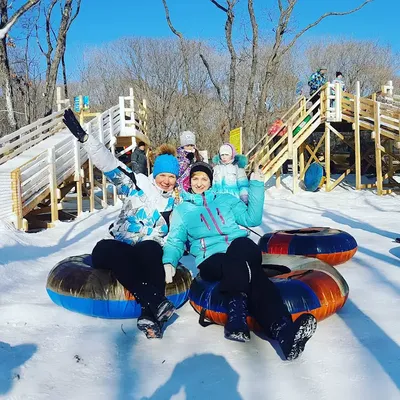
(306, 285)
(330, 245)
(76, 286)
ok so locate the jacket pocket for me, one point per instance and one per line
(220, 216)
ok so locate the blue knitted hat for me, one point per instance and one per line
(166, 163)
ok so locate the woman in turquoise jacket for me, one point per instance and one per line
(211, 223)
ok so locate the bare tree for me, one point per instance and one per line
(280, 48)
(5, 72)
(56, 44)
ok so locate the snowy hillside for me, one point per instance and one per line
(47, 352)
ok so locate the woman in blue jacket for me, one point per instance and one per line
(211, 222)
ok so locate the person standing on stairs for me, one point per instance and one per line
(135, 253)
(316, 81)
(211, 222)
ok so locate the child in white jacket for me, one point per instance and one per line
(229, 174)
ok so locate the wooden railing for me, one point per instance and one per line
(17, 142)
(39, 178)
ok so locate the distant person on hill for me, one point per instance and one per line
(340, 80)
(139, 159)
(316, 81)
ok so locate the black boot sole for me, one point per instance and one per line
(152, 329)
(302, 330)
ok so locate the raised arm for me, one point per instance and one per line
(101, 157)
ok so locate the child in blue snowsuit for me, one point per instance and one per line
(229, 174)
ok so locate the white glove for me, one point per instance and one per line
(257, 175)
(169, 272)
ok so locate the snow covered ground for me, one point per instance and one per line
(47, 352)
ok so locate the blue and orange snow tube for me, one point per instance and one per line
(330, 245)
(76, 286)
(307, 285)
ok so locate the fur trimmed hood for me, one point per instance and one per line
(240, 160)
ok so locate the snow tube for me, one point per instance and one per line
(313, 177)
(330, 245)
(76, 286)
(306, 285)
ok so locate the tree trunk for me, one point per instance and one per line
(5, 73)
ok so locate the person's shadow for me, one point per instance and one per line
(10, 359)
(202, 376)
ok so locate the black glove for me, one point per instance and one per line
(190, 156)
(74, 126)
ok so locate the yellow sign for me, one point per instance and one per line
(235, 139)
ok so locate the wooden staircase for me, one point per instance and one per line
(331, 104)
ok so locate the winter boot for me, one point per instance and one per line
(164, 311)
(149, 325)
(293, 336)
(157, 303)
(236, 328)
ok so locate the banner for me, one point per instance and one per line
(235, 139)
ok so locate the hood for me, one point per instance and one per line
(240, 160)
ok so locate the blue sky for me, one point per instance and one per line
(196, 19)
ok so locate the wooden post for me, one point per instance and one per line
(122, 113)
(290, 138)
(301, 158)
(338, 102)
(53, 184)
(112, 140)
(103, 177)
(145, 117)
(16, 194)
(132, 105)
(378, 148)
(295, 171)
(91, 175)
(327, 157)
(59, 98)
(78, 177)
(357, 140)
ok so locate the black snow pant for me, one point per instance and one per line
(138, 268)
(235, 275)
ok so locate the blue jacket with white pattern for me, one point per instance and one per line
(140, 217)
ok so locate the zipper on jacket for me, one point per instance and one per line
(214, 221)
(203, 246)
(202, 219)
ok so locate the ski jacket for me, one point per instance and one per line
(316, 81)
(139, 161)
(231, 178)
(210, 222)
(184, 168)
(141, 213)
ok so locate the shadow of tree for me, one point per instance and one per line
(12, 358)
(205, 376)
